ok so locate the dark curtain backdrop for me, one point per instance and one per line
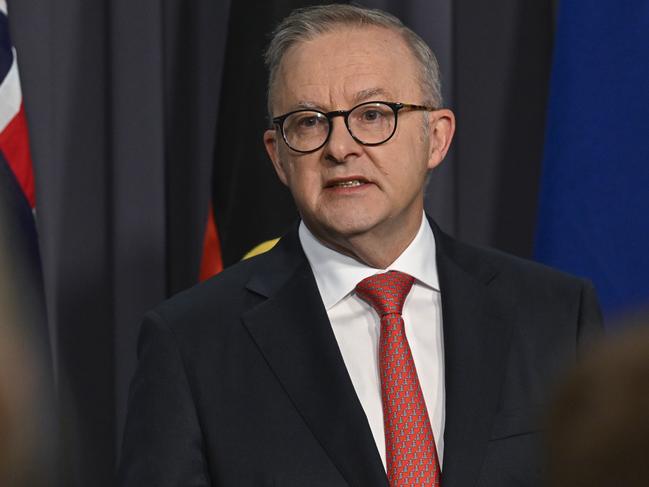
(141, 113)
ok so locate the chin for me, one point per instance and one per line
(346, 226)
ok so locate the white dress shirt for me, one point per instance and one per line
(357, 326)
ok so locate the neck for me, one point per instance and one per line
(378, 247)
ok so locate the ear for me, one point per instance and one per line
(272, 143)
(441, 130)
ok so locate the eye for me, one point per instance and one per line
(372, 114)
(308, 121)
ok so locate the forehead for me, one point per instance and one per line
(346, 66)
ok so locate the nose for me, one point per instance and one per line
(341, 145)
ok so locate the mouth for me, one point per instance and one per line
(350, 182)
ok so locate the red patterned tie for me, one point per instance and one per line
(411, 456)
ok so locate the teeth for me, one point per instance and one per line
(348, 184)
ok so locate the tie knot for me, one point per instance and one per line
(386, 292)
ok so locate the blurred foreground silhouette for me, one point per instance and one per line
(28, 406)
(598, 429)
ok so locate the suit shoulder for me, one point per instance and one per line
(515, 266)
(520, 281)
(214, 302)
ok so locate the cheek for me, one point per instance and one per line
(403, 169)
(303, 181)
(417, 163)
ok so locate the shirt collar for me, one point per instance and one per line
(337, 274)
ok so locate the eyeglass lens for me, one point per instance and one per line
(369, 123)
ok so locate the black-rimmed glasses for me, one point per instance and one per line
(370, 123)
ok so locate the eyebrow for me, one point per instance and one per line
(306, 104)
(358, 97)
(370, 93)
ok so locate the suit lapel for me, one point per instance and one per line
(293, 333)
(476, 341)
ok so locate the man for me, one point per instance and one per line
(367, 348)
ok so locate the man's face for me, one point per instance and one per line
(337, 71)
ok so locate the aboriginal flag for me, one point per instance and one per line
(223, 197)
(251, 205)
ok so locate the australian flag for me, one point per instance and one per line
(21, 279)
(14, 143)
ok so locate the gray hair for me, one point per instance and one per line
(304, 24)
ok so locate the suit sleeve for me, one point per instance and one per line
(162, 443)
(590, 326)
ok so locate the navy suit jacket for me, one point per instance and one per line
(241, 383)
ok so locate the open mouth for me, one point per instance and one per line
(347, 183)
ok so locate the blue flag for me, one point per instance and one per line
(594, 198)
